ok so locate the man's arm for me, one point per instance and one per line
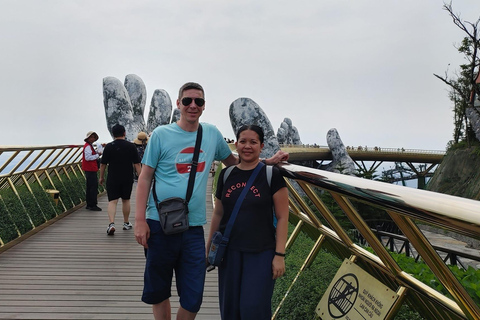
(230, 160)
(138, 168)
(277, 157)
(142, 231)
(102, 173)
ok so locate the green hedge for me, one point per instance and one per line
(31, 206)
(49, 208)
(312, 283)
(17, 212)
(8, 231)
(469, 279)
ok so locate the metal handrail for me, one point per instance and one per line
(21, 166)
(366, 149)
(404, 205)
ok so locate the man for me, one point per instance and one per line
(119, 155)
(168, 159)
(90, 167)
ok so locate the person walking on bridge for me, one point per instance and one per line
(90, 159)
(119, 155)
(168, 159)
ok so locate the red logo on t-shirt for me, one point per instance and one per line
(184, 161)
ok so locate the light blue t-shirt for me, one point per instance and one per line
(170, 152)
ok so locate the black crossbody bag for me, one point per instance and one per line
(173, 212)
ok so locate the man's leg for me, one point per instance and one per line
(126, 210)
(183, 314)
(112, 209)
(162, 310)
(190, 273)
(91, 188)
(125, 195)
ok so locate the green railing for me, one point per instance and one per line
(406, 207)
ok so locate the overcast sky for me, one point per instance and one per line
(363, 67)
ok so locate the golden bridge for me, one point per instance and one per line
(57, 263)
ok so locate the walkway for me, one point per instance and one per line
(73, 270)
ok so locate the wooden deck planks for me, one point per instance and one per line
(73, 270)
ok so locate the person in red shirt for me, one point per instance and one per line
(90, 167)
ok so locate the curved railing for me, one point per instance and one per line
(406, 206)
(25, 166)
(30, 177)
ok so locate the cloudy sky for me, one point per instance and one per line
(364, 67)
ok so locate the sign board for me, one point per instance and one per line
(354, 294)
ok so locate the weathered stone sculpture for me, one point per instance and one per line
(176, 115)
(160, 110)
(342, 162)
(118, 108)
(125, 104)
(245, 111)
(138, 96)
(281, 135)
(287, 133)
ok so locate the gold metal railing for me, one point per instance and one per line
(25, 165)
(406, 206)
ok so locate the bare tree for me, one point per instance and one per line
(464, 87)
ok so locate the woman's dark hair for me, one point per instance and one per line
(252, 127)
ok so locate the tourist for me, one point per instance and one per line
(255, 254)
(168, 159)
(119, 155)
(90, 166)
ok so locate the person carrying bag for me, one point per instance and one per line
(173, 212)
(243, 241)
(219, 242)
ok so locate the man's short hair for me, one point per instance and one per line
(118, 130)
(188, 86)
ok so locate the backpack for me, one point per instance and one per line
(268, 168)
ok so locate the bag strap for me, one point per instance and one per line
(193, 169)
(269, 170)
(238, 204)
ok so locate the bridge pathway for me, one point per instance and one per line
(73, 270)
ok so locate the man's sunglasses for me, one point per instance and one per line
(198, 101)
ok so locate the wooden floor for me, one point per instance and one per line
(73, 270)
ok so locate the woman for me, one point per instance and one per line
(255, 255)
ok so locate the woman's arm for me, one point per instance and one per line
(280, 201)
(215, 223)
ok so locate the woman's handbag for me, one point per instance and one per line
(173, 212)
(219, 242)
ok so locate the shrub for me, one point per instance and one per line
(31, 206)
(312, 283)
(8, 231)
(17, 211)
(49, 208)
(64, 194)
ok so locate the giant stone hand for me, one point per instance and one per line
(125, 104)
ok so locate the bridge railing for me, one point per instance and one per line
(406, 207)
(29, 176)
(366, 149)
